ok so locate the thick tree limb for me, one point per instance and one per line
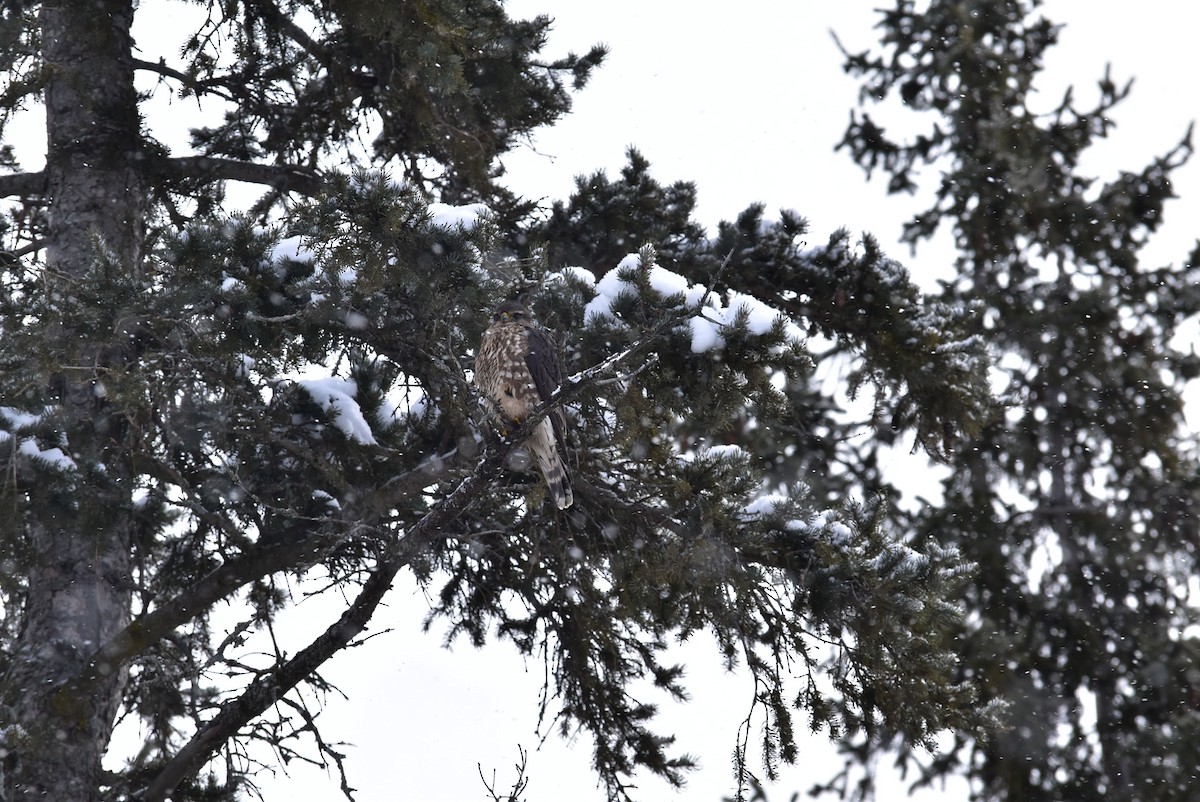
(23, 184)
(283, 177)
(203, 169)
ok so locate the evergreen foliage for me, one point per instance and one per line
(1079, 505)
(197, 405)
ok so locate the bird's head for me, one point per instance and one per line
(510, 312)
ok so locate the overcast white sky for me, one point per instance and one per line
(747, 100)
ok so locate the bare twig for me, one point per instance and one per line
(339, 758)
(712, 282)
(520, 784)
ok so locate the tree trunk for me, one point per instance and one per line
(78, 531)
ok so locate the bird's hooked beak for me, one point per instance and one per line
(507, 315)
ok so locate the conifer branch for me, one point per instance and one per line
(207, 169)
(23, 184)
(282, 554)
(263, 692)
(211, 87)
(148, 629)
(294, 32)
(435, 525)
(204, 169)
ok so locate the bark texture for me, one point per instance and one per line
(79, 590)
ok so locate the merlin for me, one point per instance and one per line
(517, 366)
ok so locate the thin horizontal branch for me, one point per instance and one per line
(31, 247)
(391, 493)
(206, 169)
(23, 184)
(211, 87)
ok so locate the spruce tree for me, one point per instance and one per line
(201, 403)
(1079, 504)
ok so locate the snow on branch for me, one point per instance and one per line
(336, 398)
(18, 432)
(444, 215)
(710, 313)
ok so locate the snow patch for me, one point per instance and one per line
(443, 215)
(839, 533)
(666, 282)
(292, 248)
(330, 501)
(581, 274)
(336, 397)
(764, 505)
(18, 419)
(705, 335)
(54, 457)
(726, 452)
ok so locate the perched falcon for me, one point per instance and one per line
(517, 366)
